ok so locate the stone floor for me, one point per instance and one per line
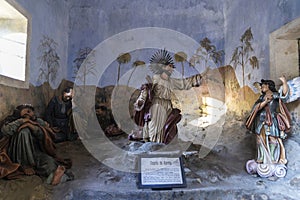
(219, 175)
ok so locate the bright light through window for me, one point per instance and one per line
(12, 55)
(14, 32)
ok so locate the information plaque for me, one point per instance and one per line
(161, 172)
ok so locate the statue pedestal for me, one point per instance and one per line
(266, 170)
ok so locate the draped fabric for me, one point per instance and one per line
(157, 118)
(59, 114)
(269, 117)
(28, 145)
(270, 124)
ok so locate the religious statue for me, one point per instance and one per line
(26, 148)
(59, 116)
(153, 108)
(270, 121)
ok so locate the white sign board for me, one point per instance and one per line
(161, 172)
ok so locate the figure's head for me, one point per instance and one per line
(67, 94)
(168, 69)
(26, 111)
(267, 85)
(162, 62)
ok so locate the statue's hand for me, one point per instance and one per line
(25, 120)
(31, 126)
(268, 97)
(140, 103)
(282, 79)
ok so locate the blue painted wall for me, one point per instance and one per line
(49, 17)
(223, 22)
(93, 21)
(76, 24)
(263, 17)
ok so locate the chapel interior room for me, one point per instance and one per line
(104, 49)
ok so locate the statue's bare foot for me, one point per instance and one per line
(29, 171)
(59, 172)
(135, 136)
(283, 161)
(259, 161)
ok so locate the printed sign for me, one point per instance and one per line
(161, 172)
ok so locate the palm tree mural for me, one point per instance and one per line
(122, 59)
(49, 62)
(49, 59)
(181, 57)
(136, 64)
(243, 54)
(86, 60)
(206, 52)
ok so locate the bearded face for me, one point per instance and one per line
(67, 96)
(168, 69)
(28, 113)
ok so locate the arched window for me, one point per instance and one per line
(14, 43)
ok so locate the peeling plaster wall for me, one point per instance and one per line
(263, 17)
(49, 17)
(93, 21)
(76, 24)
(223, 22)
